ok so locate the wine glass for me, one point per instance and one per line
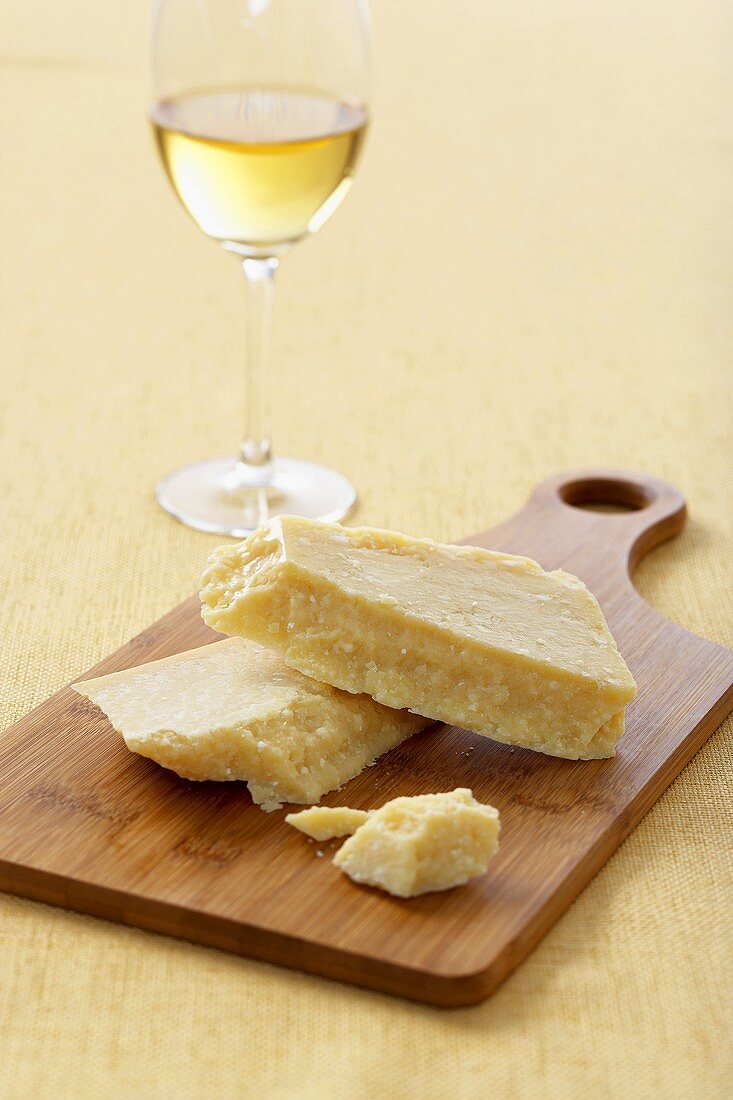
(259, 116)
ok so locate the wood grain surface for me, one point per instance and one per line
(87, 825)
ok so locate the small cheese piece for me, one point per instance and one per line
(416, 845)
(233, 710)
(326, 822)
(479, 639)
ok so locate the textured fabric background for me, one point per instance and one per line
(534, 272)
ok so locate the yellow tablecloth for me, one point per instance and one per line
(533, 273)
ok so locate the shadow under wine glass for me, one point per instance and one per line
(259, 117)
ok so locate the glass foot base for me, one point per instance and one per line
(210, 497)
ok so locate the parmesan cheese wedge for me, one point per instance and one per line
(232, 710)
(475, 638)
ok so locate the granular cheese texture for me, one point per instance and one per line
(421, 844)
(233, 710)
(475, 638)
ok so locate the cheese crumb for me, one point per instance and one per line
(418, 845)
(326, 822)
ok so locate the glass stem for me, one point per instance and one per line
(255, 450)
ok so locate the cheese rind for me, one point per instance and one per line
(234, 711)
(475, 638)
(327, 822)
(421, 844)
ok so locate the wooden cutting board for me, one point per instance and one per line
(87, 825)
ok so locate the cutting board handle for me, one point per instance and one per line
(613, 517)
(651, 510)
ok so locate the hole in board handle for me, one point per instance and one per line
(606, 495)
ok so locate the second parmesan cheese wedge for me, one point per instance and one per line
(483, 640)
(233, 710)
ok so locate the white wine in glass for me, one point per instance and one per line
(259, 118)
